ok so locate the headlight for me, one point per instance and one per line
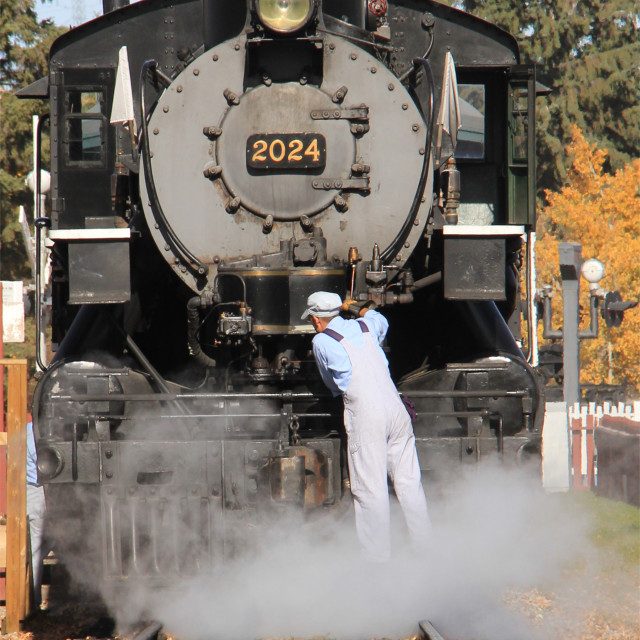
(284, 16)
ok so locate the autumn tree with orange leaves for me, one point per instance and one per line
(601, 211)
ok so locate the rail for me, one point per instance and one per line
(428, 631)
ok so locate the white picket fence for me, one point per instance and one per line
(583, 420)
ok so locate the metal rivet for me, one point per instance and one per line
(354, 56)
(236, 47)
(391, 86)
(165, 109)
(166, 247)
(196, 72)
(233, 204)
(416, 222)
(332, 46)
(215, 57)
(340, 203)
(374, 70)
(405, 106)
(156, 132)
(421, 151)
(268, 224)
(179, 88)
(109, 474)
(406, 245)
(415, 127)
(108, 453)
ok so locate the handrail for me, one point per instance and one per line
(39, 223)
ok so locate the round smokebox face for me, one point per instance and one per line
(241, 170)
(272, 151)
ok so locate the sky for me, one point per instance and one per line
(67, 13)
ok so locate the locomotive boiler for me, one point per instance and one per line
(213, 163)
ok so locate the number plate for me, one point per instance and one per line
(286, 151)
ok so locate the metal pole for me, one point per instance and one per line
(570, 254)
(533, 358)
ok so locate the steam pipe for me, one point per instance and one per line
(151, 370)
(193, 323)
(148, 367)
(427, 281)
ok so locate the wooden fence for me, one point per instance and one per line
(15, 441)
(599, 470)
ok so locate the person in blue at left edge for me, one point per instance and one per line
(380, 438)
(35, 514)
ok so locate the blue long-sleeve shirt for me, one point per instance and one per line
(332, 359)
(32, 462)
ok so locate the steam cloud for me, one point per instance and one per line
(494, 530)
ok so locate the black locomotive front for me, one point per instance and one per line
(213, 164)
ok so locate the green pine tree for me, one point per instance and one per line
(24, 50)
(588, 53)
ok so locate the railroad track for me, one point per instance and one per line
(103, 630)
(428, 631)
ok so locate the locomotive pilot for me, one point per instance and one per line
(380, 437)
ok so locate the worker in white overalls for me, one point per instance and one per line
(380, 437)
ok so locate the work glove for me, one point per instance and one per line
(355, 308)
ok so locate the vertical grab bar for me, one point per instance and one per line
(40, 223)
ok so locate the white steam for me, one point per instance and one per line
(493, 531)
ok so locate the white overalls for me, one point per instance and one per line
(381, 443)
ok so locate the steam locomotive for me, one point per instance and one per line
(269, 149)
